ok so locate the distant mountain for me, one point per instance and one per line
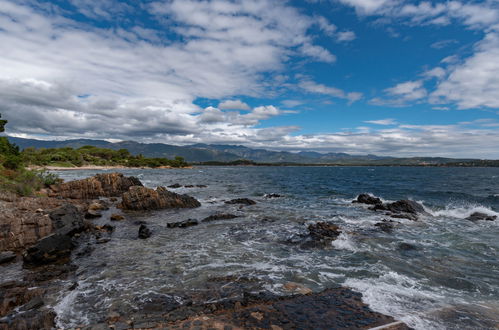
(227, 153)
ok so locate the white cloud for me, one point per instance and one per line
(367, 7)
(233, 105)
(313, 87)
(317, 52)
(346, 36)
(388, 121)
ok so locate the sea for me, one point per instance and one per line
(448, 278)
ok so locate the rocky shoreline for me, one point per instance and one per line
(45, 234)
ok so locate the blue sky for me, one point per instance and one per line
(388, 77)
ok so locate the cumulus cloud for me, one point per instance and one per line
(233, 105)
(402, 93)
(388, 121)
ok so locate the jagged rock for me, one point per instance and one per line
(142, 198)
(183, 224)
(296, 287)
(272, 196)
(405, 206)
(36, 302)
(244, 201)
(367, 199)
(100, 185)
(220, 216)
(481, 216)
(144, 232)
(385, 225)
(324, 231)
(117, 217)
(49, 249)
(67, 220)
(175, 185)
(98, 205)
(7, 256)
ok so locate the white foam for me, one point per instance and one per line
(345, 242)
(461, 211)
(399, 296)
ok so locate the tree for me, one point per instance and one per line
(2, 124)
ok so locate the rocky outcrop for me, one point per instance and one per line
(183, 224)
(23, 221)
(100, 185)
(476, 216)
(367, 199)
(219, 216)
(324, 231)
(67, 220)
(6, 257)
(144, 232)
(142, 198)
(55, 247)
(243, 201)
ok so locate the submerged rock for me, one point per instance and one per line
(324, 231)
(367, 199)
(219, 216)
(183, 224)
(175, 185)
(142, 198)
(272, 196)
(100, 185)
(385, 225)
(244, 201)
(476, 216)
(6, 257)
(116, 217)
(144, 232)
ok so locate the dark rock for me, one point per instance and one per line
(117, 217)
(367, 199)
(272, 196)
(175, 185)
(201, 186)
(139, 222)
(244, 201)
(144, 232)
(142, 198)
(103, 240)
(476, 216)
(182, 224)
(36, 302)
(189, 186)
(406, 246)
(324, 231)
(30, 320)
(67, 220)
(405, 206)
(7, 256)
(92, 214)
(106, 185)
(385, 225)
(409, 216)
(219, 216)
(52, 248)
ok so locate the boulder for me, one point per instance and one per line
(367, 199)
(117, 217)
(142, 198)
(272, 196)
(144, 232)
(6, 257)
(92, 214)
(49, 249)
(385, 225)
(244, 201)
(175, 185)
(219, 216)
(100, 185)
(476, 216)
(405, 206)
(67, 220)
(324, 231)
(183, 224)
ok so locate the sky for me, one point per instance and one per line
(385, 77)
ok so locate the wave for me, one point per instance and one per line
(461, 211)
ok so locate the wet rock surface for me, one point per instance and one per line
(183, 224)
(100, 185)
(324, 231)
(52, 248)
(367, 199)
(7, 256)
(477, 216)
(142, 198)
(219, 216)
(243, 201)
(67, 220)
(144, 232)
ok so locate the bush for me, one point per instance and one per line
(12, 162)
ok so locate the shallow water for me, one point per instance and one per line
(451, 279)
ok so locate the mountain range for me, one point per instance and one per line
(199, 153)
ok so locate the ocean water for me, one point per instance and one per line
(449, 281)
